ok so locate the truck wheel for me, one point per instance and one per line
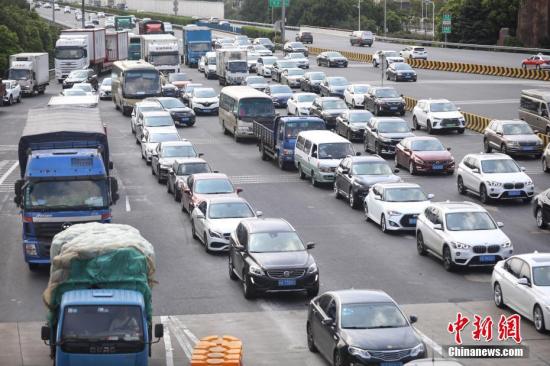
(19, 99)
(10, 101)
(262, 153)
(301, 172)
(33, 267)
(281, 163)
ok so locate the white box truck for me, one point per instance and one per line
(116, 44)
(231, 66)
(31, 70)
(79, 49)
(164, 51)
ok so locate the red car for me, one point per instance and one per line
(424, 154)
(202, 185)
(539, 61)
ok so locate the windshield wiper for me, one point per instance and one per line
(384, 327)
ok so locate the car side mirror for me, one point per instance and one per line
(159, 330)
(430, 196)
(94, 76)
(522, 168)
(239, 190)
(500, 224)
(45, 333)
(448, 149)
(310, 245)
(523, 282)
(536, 131)
(413, 319)
(499, 133)
(475, 170)
(259, 213)
(458, 109)
(373, 130)
(200, 215)
(327, 321)
(154, 153)
(438, 227)
(396, 170)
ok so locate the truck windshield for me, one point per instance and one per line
(62, 53)
(19, 74)
(164, 59)
(294, 128)
(199, 47)
(66, 195)
(256, 107)
(141, 83)
(237, 66)
(102, 328)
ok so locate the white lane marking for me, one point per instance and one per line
(128, 208)
(180, 337)
(10, 170)
(431, 343)
(167, 342)
(186, 330)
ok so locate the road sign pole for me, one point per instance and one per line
(283, 11)
(83, 19)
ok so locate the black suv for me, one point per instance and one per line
(267, 255)
(382, 134)
(384, 99)
(291, 47)
(81, 76)
(328, 108)
(356, 174)
(312, 80)
(304, 37)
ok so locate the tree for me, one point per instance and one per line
(8, 46)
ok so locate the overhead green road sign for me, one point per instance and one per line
(446, 24)
(277, 3)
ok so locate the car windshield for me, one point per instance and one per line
(541, 275)
(296, 72)
(391, 54)
(334, 104)
(516, 129)
(360, 89)
(178, 77)
(68, 195)
(106, 82)
(269, 60)
(393, 127)
(85, 87)
(229, 210)
(295, 127)
(171, 103)
(286, 241)
(78, 74)
(386, 93)
(265, 41)
(333, 54)
(73, 92)
(371, 316)
(62, 53)
(280, 89)
(371, 168)
(157, 121)
(402, 66)
(404, 195)
(178, 151)
(427, 145)
(466, 221)
(286, 64)
(443, 107)
(150, 108)
(360, 117)
(499, 166)
(141, 83)
(213, 186)
(256, 107)
(306, 98)
(337, 81)
(337, 150)
(204, 93)
(255, 80)
(163, 137)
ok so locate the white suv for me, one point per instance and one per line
(461, 234)
(494, 176)
(438, 114)
(414, 52)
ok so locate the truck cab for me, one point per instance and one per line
(197, 41)
(71, 53)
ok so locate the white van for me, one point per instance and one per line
(317, 154)
(534, 109)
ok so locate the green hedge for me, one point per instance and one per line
(255, 32)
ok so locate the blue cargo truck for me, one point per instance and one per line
(99, 297)
(64, 164)
(276, 139)
(196, 42)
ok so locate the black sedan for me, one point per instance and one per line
(181, 114)
(542, 209)
(81, 76)
(361, 327)
(291, 47)
(328, 108)
(312, 81)
(267, 255)
(352, 123)
(333, 86)
(332, 58)
(384, 99)
(400, 71)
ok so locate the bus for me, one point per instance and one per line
(133, 81)
(240, 106)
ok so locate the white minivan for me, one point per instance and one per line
(317, 154)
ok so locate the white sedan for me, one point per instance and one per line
(522, 282)
(300, 103)
(398, 204)
(354, 95)
(13, 92)
(388, 56)
(213, 221)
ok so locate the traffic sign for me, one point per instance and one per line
(446, 24)
(277, 3)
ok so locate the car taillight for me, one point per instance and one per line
(106, 216)
(27, 218)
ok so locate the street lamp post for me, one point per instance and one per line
(53, 11)
(83, 20)
(385, 10)
(359, 17)
(283, 8)
(433, 18)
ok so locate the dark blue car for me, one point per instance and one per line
(280, 94)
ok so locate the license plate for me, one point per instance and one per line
(393, 108)
(412, 221)
(184, 119)
(514, 193)
(287, 282)
(437, 166)
(486, 258)
(528, 147)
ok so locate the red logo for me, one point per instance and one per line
(508, 328)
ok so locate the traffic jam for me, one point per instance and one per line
(354, 142)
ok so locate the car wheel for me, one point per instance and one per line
(527, 200)
(486, 147)
(19, 99)
(205, 242)
(353, 104)
(460, 185)
(301, 172)
(248, 289)
(383, 224)
(349, 136)
(538, 319)
(352, 200)
(374, 64)
(263, 153)
(365, 145)
(447, 260)
(460, 131)
(415, 123)
(378, 148)
(377, 111)
(366, 211)
(153, 170)
(497, 296)
(338, 359)
(483, 195)
(388, 77)
(420, 248)
(310, 341)
(313, 180)
(337, 194)
(412, 168)
(33, 267)
(168, 188)
(429, 127)
(545, 167)
(193, 231)
(281, 163)
(232, 274)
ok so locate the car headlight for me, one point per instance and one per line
(508, 244)
(214, 234)
(492, 183)
(312, 268)
(417, 350)
(358, 352)
(30, 249)
(437, 120)
(254, 269)
(459, 245)
(418, 160)
(384, 139)
(529, 183)
(512, 143)
(325, 169)
(275, 99)
(394, 213)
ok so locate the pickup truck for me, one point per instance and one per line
(276, 139)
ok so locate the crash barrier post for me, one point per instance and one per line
(219, 351)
